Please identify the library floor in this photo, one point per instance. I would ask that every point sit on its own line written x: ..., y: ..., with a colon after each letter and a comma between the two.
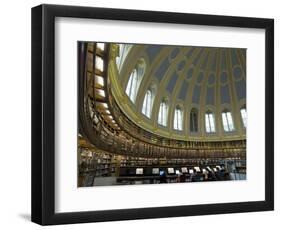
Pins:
x: 135, y: 176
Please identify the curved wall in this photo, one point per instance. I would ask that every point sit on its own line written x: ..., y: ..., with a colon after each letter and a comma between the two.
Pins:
x: 205, y: 79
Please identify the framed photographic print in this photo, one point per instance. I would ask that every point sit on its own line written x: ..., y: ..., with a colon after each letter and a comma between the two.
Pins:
x: 142, y: 114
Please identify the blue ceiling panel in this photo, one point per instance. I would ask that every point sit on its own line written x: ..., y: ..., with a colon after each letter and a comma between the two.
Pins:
x: 237, y: 72
x: 223, y: 60
x: 189, y: 74
x: 210, y: 96
x: 172, y: 82
x: 199, y: 55
x: 241, y: 89
x: 190, y: 52
x: 211, y: 79
x: 196, y: 94
x: 225, y: 98
x: 200, y: 77
x: 175, y: 52
x: 214, y: 61
x: 204, y: 64
x: 181, y: 65
x: 183, y: 90
x: 152, y: 51
x: 223, y: 77
x: 162, y: 69
x: 234, y: 57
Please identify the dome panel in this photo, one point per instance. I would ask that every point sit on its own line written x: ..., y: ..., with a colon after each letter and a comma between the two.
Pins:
x: 199, y: 56
x: 234, y: 57
x: 162, y: 69
x: 196, y: 94
x: 183, y: 90
x: 172, y: 82
x: 211, y: 79
x: 153, y: 51
x: 213, y: 60
x: 200, y: 77
x: 243, y: 52
x: 241, y: 89
x: 223, y: 77
x: 223, y: 60
x: 210, y: 96
x: 189, y: 74
x: 204, y: 64
x: 225, y: 98
x: 190, y: 52
x: 181, y: 65
x: 174, y: 53
x: 237, y: 72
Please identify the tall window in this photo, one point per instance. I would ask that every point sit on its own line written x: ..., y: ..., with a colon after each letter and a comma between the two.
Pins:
x: 147, y: 104
x: 244, y: 117
x: 135, y: 80
x: 227, y: 121
x: 123, y: 52
x: 210, y: 122
x: 178, y: 119
x: 163, y: 113
x: 193, y: 120
x: 132, y: 85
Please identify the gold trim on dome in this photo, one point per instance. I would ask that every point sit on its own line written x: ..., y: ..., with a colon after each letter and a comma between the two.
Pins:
x: 118, y: 81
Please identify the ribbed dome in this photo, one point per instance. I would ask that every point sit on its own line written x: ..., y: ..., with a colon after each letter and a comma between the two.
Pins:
x: 193, y: 79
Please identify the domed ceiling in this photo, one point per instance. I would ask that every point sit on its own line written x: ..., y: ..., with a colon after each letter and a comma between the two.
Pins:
x: 206, y: 79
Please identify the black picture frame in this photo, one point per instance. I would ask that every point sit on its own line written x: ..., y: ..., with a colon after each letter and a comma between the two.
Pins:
x: 43, y: 114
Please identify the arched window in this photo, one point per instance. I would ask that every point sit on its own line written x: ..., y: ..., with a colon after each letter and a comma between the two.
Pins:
x: 132, y: 85
x: 147, y: 104
x: 178, y: 119
x: 210, y: 122
x: 99, y: 63
x: 193, y: 120
x: 123, y: 52
x: 244, y: 117
x: 227, y: 121
x: 135, y: 80
x: 163, y: 113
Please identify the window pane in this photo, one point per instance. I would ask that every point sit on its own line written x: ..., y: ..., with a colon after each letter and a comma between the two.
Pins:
x: 163, y: 114
x: 230, y: 121
x: 175, y: 120
x: 244, y: 117
x: 224, y: 122
x: 100, y: 46
x: 129, y: 85
x: 146, y: 108
x: 178, y: 119
x: 181, y: 120
x: 123, y: 52
x: 207, y: 123
x: 212, y: 123
x: 99, y: 80
x: 193, y: 121
x: 99, y: 63
x: 132, y: 86
x: 160, y: 115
